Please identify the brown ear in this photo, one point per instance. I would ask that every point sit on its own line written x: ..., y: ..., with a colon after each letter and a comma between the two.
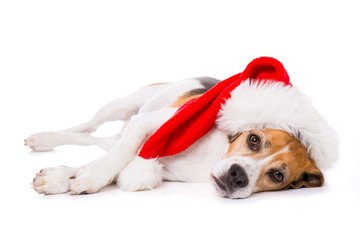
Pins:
x: 311, y: 177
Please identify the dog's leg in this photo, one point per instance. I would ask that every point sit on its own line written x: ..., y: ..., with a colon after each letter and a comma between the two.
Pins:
x: 46, y: 141
x: 93, y: 176
x: 90, y: 178
x: 140, y: 174
x: 120, y: 109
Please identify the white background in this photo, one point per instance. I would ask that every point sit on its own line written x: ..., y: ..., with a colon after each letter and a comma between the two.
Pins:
x: 62, y: 60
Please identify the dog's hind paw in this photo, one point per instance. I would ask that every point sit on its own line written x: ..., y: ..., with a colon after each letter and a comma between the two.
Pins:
x: 41, y: 142
x: 53, y: 180
x: 141, y: 174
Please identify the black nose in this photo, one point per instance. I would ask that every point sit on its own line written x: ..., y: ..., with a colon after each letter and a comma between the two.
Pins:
x: 236, y: 177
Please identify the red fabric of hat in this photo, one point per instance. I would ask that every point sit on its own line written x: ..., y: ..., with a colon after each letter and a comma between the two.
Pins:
x: 197, y: 117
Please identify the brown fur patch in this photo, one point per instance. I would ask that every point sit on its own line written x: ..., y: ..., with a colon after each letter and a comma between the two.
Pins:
x: 272, y: 141
x: 157, y: 84
x: 110, y: 181
x: 294, y: 163
x: 206, y: 84
x: 183, y: 99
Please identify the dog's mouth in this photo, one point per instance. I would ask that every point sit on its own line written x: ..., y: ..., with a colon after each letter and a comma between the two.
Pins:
x: 218, y: 183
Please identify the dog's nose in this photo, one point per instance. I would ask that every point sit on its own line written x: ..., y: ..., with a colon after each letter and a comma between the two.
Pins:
x: 237, y: 177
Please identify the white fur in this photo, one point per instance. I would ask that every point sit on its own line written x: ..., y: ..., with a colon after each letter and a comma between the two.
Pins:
x: 53, y: 180
x: 196, y: 162
x: 146, y: 99
x: 168, y: 95
x: 151, y: 111
x: 273, y: 105
x: 141, y: 174
x: 97, y: 174
x: 47, y: 141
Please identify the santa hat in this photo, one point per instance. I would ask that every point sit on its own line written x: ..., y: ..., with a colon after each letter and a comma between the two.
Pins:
x: 260, y: 97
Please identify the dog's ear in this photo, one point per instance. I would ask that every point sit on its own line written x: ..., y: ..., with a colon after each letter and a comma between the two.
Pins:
x: 311, y: 177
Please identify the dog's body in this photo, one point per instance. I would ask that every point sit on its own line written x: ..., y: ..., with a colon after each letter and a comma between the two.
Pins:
x: 252, y: 161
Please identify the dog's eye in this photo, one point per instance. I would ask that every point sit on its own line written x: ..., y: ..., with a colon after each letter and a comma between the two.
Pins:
x: 277, y: 176
x: 254, y: 142
x: 254, y: 139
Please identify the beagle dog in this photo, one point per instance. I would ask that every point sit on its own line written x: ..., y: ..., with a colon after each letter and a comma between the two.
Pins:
x: 238, y: 164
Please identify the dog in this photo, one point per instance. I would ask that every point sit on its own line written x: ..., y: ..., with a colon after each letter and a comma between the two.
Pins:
x: 237, y: 162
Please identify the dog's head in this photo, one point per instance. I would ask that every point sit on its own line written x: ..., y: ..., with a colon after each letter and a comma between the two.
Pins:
x: 264, y: 160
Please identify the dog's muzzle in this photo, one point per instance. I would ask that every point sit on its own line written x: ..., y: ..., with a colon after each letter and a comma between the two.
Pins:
x: 234, y: 179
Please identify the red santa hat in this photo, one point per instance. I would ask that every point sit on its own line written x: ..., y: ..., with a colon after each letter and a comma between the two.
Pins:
x: 260, y: 97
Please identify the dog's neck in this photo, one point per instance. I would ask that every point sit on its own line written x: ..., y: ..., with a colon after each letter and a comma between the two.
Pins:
x: 195, y: 163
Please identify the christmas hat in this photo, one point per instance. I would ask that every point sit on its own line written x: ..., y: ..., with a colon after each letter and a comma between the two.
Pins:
x: 260, y: 97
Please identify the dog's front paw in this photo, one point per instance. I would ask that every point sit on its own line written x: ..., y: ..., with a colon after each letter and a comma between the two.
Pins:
x: 140, y: 174
x: 41, y: 142
x: 90, y: 178
x: 53, y: 180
